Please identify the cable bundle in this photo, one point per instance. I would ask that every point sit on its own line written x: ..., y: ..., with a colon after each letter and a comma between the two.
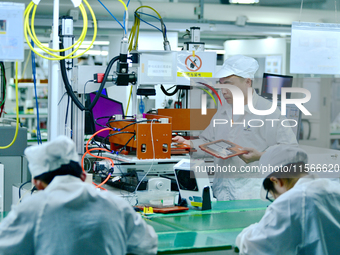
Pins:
x: 133, y: 37
x: 29, y: 29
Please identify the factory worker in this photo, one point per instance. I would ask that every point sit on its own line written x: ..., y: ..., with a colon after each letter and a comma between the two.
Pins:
x: 304, y: 217
x: 70, y: 216
x: 239, y: 71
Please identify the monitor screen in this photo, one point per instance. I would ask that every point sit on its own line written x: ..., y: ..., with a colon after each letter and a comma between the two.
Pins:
x: 271, y: 81
x: 104, y: 107
x: 186, y: 180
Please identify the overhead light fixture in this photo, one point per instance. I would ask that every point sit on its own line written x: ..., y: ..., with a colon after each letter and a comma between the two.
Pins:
x: 244, y: 1
x: 96, y: 42
x: 94, y: 52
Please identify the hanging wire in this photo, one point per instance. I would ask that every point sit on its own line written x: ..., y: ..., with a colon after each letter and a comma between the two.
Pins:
x: 36, y: 94
x: 112, y: 15
x: 301, y: 10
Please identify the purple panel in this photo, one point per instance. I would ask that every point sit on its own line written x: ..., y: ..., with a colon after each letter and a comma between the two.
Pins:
x: 105, y: 107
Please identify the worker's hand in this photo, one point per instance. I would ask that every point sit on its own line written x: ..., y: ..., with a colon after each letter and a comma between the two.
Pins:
x: 251, y: 156
x: 180, y: 139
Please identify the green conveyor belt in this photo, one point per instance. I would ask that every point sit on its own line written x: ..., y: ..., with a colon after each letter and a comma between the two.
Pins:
x: 215, y: 229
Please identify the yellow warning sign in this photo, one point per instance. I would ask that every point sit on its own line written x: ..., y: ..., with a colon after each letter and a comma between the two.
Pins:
x: 194, y: 74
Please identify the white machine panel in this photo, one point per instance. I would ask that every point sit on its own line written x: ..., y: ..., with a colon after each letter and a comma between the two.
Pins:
x: 83, y: 75
x: 11, y: 31
x: 195, y: 65
x: 157, y: 67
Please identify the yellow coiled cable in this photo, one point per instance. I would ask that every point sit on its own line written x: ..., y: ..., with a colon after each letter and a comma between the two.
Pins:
x: 34, y: 38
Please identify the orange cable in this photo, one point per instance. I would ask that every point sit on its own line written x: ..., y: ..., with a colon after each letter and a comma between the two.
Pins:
x: 107, y: 178
x: 87, y: 146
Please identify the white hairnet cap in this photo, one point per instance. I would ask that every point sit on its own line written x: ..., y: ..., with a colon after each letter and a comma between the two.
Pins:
x: 280, y: 155
x: 239, y: 65
x: 51, y: 155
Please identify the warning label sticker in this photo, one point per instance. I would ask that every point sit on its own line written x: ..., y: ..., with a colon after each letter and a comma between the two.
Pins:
x: 193, y: 63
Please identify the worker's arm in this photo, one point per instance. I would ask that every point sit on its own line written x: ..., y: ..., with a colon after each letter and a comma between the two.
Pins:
x: 141, y: 237
x: 180, y: 139
x: 206, y: 136
x: 251, y: 156
x: 280, y: 223
x: 17, y: 231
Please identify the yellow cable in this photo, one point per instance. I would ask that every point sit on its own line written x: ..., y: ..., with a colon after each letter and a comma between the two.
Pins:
x: 36, y: 41
x: 134, y: 34
x: 17, y: 108
x: 80, y: 40
x: 145, y: 6
x: 57, y: 57
x: 137, y: 36
x: 125, y: 7
x: 127, y: 107
x: 82, y: 35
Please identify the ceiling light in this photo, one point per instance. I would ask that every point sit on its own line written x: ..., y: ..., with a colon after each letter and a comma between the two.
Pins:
x: 243, y: 1
x: 94, y: 52
x: 97, y: 42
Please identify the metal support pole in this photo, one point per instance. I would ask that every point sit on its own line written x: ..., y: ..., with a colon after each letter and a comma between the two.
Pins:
x: 54, y: 79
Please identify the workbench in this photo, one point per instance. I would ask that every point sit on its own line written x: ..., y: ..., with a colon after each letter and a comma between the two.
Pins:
x: 211, y: 232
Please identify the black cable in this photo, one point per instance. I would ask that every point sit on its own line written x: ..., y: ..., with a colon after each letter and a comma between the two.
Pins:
x: 103, y: 117
x: 170, y: 87
x: 121, y: 149
x: 107, y: 71
x: 134, y: 123
x: 71, y: 121
x: 179, y: 94
x: 3, y: 85
x: 167, y: 93
x: 68, y: 102
x: 62, y: 98
x: 69, y: 89
x: 118, y: 133
x: 21, y: 187
x: 67, y: 84
x: 34, y: 189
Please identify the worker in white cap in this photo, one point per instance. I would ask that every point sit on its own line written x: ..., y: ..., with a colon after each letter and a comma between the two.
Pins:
x: 304, y: 217
x: 70, y: 216
x: 239, y: 71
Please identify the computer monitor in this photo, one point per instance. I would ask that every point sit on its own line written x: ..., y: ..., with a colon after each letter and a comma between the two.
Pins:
x: 104, y: 107
x: 271, y: 81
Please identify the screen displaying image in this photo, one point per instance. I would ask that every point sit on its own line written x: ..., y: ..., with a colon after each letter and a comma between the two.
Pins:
x: 271, y: 81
